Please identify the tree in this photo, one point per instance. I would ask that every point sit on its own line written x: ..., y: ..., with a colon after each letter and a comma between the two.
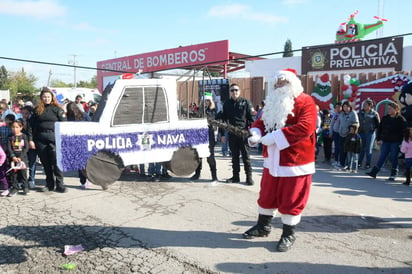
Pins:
x: 287, y: 50
x: 3, y: 77
x: 21, y: 84
x: 57, y: 83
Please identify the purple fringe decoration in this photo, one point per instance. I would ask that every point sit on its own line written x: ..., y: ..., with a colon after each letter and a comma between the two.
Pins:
x: 75, y: 149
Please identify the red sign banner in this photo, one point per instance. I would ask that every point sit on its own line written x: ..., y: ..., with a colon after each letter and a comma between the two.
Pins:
x: 207, y: 53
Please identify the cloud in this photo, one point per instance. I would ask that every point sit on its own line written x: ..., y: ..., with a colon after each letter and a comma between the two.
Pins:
x: 38, y: 9
x: 245, y: 12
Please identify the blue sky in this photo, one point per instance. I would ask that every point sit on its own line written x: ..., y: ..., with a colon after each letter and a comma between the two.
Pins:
x: 95, y: 30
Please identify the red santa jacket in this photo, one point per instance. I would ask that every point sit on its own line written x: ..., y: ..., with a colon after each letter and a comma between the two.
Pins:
x: 293, y: 153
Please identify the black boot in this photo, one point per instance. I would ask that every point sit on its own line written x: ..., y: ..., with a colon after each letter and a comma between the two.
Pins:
x: 249, y: 180
x: 394, y: 173
x: 373, y: 172
x: 214, y: 175
x: 234, y: 179
x: 197, y: 173
x: 287, y: 239
x: 408, y: 177
x: 261, y: 229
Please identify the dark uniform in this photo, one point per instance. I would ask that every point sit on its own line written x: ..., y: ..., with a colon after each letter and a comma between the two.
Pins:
x: 211, y: 115
x: 239, y: 113
x: 42, y: 130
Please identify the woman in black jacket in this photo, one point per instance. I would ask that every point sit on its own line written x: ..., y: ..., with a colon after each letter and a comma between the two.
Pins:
x: 42, y: 130
x: 210, y: 113
x: 390, y: 135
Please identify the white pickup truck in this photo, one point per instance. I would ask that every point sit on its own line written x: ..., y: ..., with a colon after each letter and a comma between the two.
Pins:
x: 136, y: 122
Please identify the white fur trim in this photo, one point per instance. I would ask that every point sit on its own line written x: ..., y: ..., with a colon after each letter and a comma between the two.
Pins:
x: 280, y: 139
x: 285, y: 75
x: 293, y: 80
x: 290, y: 219
x: 276, y: 170
x: 267, y: 211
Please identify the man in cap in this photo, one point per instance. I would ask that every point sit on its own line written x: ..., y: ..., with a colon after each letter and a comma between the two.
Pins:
x: 286, y: 129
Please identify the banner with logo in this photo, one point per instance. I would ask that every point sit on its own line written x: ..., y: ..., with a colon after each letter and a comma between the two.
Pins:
x: 377, y: 53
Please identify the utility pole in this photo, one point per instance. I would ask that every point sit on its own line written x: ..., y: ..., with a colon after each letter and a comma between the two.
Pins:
x: 379, y: 32
x: 48, y: 80
x: 74, y: 63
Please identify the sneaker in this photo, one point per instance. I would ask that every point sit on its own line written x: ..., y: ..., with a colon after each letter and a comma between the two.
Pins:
x: 26, y: 191
x: 32, y: 185
x: 155, y: 178
x: 44, y: 189
x: 84, y: 186
x: 12, y: 192
x: 5, y: 193
x: 367, y: 166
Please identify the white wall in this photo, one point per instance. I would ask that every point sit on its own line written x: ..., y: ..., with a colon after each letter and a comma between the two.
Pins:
x: 268, y: 67
x: 407, y: 58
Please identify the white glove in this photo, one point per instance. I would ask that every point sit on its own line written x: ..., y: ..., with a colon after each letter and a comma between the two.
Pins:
x: 253, y: 139
x: 268, y: 139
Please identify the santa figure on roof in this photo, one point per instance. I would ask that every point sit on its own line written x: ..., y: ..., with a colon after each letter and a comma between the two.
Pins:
x: 286, y: 129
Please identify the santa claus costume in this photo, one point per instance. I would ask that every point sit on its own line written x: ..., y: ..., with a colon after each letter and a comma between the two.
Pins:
x: 286, y: 129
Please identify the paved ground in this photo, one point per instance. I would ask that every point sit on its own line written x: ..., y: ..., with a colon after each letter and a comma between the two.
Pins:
x: 352, y: 224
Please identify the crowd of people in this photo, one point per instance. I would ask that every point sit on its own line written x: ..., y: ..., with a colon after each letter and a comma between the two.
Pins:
x: 27, y: 137
x: 352, y: 137
x: 288, y: 128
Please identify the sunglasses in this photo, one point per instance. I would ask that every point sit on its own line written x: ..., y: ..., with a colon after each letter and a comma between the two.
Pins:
x: 234, y: 89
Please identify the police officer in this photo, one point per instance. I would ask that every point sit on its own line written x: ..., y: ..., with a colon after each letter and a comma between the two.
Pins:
x: 42, y: 130
x: 238, y: 112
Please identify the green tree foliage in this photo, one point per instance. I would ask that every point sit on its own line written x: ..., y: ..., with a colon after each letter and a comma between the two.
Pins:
x: 3, y: 77
x: 57, y: 83
x: 21, y: 84
x: 287, y: 49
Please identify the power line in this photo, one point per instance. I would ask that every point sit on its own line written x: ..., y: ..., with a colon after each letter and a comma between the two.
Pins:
x: 185, y: 66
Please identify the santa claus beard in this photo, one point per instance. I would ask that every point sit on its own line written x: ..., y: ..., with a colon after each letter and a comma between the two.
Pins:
x: 278, y: 105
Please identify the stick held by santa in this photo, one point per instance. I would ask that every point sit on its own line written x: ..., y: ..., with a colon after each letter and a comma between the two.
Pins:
x: 286, y: 129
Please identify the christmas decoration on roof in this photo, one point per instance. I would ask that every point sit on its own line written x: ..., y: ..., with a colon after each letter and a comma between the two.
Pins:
x: 353, y: 31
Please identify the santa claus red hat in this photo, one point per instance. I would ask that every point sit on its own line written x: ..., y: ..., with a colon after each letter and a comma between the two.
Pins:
x: 290, y: 75
x: 286, y: 74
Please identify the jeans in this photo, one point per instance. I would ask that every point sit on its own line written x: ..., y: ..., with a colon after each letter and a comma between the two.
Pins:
x: 336, y: 137
x: 391, y: 148
x: 155, y: 169
x: 408, y: 163
x: 352, y: 161
x: 32, y: 160
x: 342, y: 153
x: 225, y: 144
x: 367, y: 146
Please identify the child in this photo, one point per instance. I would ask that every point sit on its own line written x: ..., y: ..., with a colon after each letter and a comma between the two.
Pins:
x: 406, y: 147
x: 17, y: 149
x: 5, y: 130
x: 326, y: 135
x: 3, y: 178
x: 352, y: 146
